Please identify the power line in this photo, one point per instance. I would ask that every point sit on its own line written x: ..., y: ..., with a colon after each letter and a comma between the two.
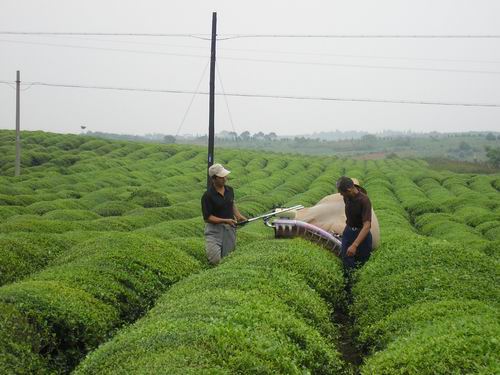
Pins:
x: 359, y: 56
x: 12, y: 86
x: 226, y: 101
x: 236, y: 36
x: 362, y: 66
x: 197, y: 36
x: 257, y: 60
x: 192, y: 99
x: 103, y: 48
x: 359, y: 36
x: 289, y: 52
x: 244, y: 95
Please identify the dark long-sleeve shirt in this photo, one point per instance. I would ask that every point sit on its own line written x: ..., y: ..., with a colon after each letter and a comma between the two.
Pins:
x: 358, y: 210
x: 213, y: 203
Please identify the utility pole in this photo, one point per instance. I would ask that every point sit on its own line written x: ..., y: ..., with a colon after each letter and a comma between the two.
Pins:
x: 211, y: 119
x: 18, y: 125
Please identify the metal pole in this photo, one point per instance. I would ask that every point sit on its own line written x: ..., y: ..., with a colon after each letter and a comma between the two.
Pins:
x: 211, y: 119
x: 18, y: 126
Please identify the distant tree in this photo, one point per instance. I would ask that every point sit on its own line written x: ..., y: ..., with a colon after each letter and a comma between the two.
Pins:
x: 490, y: 137
x: 245, y: 135
x: 233, y: 135
x: 272, y: 136
x: 258, y: 136
x: 493, y: 155
x: 369, y: 138
x: 169, y: 139
x: 464, y: 146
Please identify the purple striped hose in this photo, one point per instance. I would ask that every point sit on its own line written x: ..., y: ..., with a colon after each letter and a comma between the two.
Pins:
x: 285, y: 228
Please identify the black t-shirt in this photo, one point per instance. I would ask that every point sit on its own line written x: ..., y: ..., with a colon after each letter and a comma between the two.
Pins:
x: 213, y: 203
x: 358, y: 210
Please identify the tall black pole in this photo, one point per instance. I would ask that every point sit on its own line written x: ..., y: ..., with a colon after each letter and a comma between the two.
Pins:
x: 211, y: 119
x: 17, y: 169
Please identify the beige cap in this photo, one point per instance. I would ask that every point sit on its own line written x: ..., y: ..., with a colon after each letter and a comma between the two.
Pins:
x: 218, y: 170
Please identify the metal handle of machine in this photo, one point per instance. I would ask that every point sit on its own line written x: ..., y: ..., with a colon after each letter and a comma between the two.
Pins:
x: 270, y: 214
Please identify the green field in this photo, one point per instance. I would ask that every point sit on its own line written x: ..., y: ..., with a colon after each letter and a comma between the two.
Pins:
x: 103, y: 271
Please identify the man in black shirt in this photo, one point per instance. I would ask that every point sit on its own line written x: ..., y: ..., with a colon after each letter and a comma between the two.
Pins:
x: 220, y: 214
x: 356, y: 238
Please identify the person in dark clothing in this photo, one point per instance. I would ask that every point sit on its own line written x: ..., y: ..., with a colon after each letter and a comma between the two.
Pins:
x: 220, y: 214
x: 356, y: 238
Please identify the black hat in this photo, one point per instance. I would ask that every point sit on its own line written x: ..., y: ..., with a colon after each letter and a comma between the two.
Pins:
x: 344, y: 183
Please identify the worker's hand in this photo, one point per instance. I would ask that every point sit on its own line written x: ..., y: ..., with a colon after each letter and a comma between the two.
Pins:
x: 351, y: 250
x: 231, y: 222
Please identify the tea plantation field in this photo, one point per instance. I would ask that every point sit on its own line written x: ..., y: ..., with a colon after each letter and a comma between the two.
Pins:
x: 103, y: 271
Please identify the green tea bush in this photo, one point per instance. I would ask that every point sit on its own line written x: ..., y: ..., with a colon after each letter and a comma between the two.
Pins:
x: 388, y: 220
x: 100, y: 196
x: 253, y: 208
x: 8, y: 211
x: 177, y: 158
x: 417, y: 208
x: 473, y: 216
x: 71, y: 215
x: 114, y: 208
x: 468, y: 199
x: 93, y: 164
x: 106, y: 149
x: 457, y: 337
x: 70, y: 143
x: 38, y: 158
x: 487, y: 225
x: 46, y: 181
x: 42, y: 207
x: 25, y: 253
x: 193, y: 246
x: 412, y: 197
x: 235, y: 318
x: 126, y: 149
x: 420, y: 315
x: 422, y: 269
x: 257, y: 163
x: 182, y: 197
x: 175, y: 229
x: 123, y: 270
x: 427, y: 223
x: 178, y: 211
x: 457, y: 184
x: 8, y: 187
x: 19, y: 343
x: 93, y: 144
x: 493, y: 234
x: 178, y: 183
x: 16, y: 200
x: 435, y: 191
x: 106, y: 282
x: 105, y: 224
x: 447, y: 226
x: 66, y: 160
x: 149, y: 198
x: 69, y: 320
x: 491, y: 248
x: 483, y: 184
x: 28, y: 223
x: 261, y: 186
x: 322, y: 272
x: 311, y: 196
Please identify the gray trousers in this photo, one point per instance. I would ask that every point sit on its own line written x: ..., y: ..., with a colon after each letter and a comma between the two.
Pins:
x: 220, y: 240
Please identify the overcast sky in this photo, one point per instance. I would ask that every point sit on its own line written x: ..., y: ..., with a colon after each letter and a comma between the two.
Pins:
x: 429, y: 70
